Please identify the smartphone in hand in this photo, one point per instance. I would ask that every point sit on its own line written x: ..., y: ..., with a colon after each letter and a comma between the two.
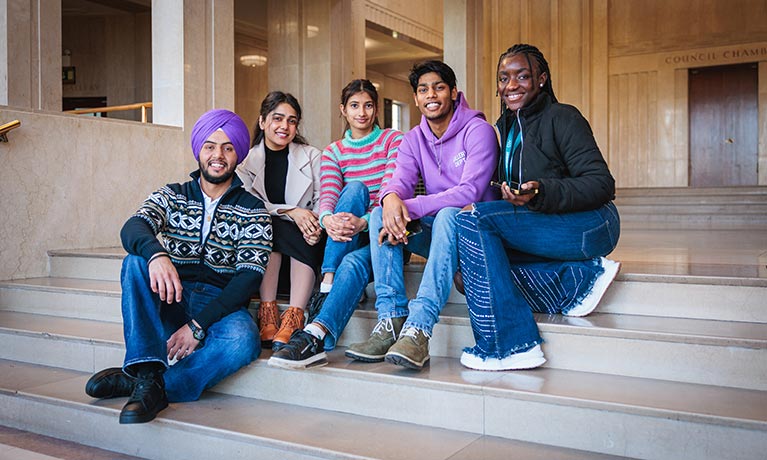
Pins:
x: 514, y: 186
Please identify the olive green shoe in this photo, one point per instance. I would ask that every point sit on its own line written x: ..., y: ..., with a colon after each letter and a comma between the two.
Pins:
x: 375, y: 347
x: 411, y: 349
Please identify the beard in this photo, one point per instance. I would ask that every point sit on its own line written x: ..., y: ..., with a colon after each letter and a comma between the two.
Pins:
x: 227, y: 175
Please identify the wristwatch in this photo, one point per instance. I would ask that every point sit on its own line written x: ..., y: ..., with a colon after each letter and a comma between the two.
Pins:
x: 197, y: 332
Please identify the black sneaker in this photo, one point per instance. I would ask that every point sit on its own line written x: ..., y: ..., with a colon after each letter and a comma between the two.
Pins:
x: 109, y: 383
x: 301, y: 352
x: 146, y: 401
x: 315, y: 305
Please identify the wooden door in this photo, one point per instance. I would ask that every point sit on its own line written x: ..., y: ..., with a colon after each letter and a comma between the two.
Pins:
x: 724, y: 132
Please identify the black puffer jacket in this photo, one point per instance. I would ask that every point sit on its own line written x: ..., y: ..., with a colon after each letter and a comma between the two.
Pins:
x: 559, y: 152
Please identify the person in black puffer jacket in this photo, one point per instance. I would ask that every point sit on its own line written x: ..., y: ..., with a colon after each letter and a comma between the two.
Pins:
x: 542, y: 247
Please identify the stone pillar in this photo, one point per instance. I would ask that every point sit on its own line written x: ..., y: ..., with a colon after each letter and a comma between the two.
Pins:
x: 192, y: 65
x: 312, y: 63
x: 168, y: 62
x: 30, y: 54
x: 461, y: 45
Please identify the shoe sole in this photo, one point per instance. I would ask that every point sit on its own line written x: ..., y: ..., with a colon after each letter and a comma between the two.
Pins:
x: 522, y: 365
x: 363, y: 357
x: 317, y: 360
x: 402, y: 360
x: 128, y: 419
x: 598, y: 294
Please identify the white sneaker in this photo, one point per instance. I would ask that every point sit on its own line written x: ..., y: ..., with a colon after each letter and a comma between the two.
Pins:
x: 590, y: 302
x: 526, y: 360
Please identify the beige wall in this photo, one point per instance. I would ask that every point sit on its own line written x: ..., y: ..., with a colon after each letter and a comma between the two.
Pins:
x: 69, y: 181
x: 648, y: 80
x: 624, y: 64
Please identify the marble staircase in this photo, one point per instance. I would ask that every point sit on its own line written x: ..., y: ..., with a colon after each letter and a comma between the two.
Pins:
x: 673, y: 365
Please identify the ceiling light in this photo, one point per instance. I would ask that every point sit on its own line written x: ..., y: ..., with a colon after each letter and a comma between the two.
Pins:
x: 253, y: 60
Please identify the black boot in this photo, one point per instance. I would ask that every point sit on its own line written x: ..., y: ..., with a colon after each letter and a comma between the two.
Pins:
x: 109, y: 383
x: 148, y: 397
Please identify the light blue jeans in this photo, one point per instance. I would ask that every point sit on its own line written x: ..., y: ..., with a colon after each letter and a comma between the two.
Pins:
x: 355, y: 199
x: 437, y: 242
x: 230, y: 343
x: 350, y: 261
x: 352, y: 275
x: 515, y: 261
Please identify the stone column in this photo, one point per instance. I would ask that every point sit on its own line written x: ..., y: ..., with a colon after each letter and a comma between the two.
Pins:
x: 30, y: 54
x: 312, y: 63
x: 462, y: 47
x: 192, y: 65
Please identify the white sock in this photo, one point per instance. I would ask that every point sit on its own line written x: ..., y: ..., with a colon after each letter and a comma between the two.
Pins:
x: 325, y: 287
x: 315, y: 330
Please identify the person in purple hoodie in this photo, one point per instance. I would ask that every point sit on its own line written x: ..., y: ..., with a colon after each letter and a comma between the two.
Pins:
x: 454, y: 150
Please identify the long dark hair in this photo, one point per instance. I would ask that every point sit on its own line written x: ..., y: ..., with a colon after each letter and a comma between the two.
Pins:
x: 542, y: 65
x: 268, y: 105
x: 360, y: 85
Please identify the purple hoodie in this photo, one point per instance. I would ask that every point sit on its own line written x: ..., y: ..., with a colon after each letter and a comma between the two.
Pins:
x: 456, y: 168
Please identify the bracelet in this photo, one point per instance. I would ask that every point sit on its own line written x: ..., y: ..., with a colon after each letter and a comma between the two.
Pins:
x: 157, y: 255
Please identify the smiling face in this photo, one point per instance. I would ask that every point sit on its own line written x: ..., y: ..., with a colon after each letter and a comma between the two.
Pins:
x: 360, y: 113
x: 434, y: 97
x: 279, y: 126
x: 217, y: 158
x: 518, y: 84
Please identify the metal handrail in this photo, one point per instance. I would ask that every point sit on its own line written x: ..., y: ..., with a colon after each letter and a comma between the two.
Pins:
x: 116, y: 108
x: 6, y: 128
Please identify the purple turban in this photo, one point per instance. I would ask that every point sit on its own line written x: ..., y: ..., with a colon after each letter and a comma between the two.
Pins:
x: 230, y: 123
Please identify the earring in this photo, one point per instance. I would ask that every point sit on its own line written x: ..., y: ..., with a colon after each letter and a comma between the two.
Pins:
x: 541, y: 85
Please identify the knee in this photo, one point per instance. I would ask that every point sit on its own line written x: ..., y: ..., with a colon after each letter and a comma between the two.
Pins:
x: 445, y: 220
x: 357, y: 190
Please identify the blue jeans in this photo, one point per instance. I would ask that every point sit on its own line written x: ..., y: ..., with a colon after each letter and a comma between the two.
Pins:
x: 355, y: 199
x: 514, y: 260
x: 353, y: 274
x: 230, y: 343
x: 439, y: 234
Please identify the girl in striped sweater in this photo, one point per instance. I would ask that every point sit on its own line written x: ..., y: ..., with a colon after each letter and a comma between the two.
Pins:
x: 353, y: 170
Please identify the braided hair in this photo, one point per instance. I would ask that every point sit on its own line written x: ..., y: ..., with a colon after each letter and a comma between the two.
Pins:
x: 543, y: 66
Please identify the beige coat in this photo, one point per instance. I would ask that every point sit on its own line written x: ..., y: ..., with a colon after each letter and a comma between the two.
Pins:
x: 302, y: 186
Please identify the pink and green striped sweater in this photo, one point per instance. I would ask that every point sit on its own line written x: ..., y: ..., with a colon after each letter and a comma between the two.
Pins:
x: 369, y: 160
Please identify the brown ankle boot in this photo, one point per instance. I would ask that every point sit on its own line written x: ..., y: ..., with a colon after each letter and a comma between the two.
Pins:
x: 291, y: 319
x: 268, y: 319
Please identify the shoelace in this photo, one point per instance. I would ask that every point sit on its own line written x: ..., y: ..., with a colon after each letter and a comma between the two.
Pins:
x: 267, y: 315
x: 142, y: 388
x: 292, y: 318
x: 385, y: 325
x: 413, y: 333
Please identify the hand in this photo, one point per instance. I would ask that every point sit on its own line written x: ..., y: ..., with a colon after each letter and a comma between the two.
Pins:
x: 395, y: 219
x: 313, y: 238
x: 342, y: 226
x: 164, y: 280
x: 182, y: 343
x: 305, y: 219
x: 519, y: 200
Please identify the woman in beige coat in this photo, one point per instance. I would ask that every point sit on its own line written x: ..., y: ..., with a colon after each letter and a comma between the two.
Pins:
x: 284, y: 171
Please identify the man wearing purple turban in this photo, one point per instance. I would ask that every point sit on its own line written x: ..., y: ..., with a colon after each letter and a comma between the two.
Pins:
x: 185, y: 298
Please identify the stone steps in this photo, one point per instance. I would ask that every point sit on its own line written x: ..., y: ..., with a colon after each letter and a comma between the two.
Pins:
x: 693, y: 208
x: 236, y: 427
x: 639, y: 379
